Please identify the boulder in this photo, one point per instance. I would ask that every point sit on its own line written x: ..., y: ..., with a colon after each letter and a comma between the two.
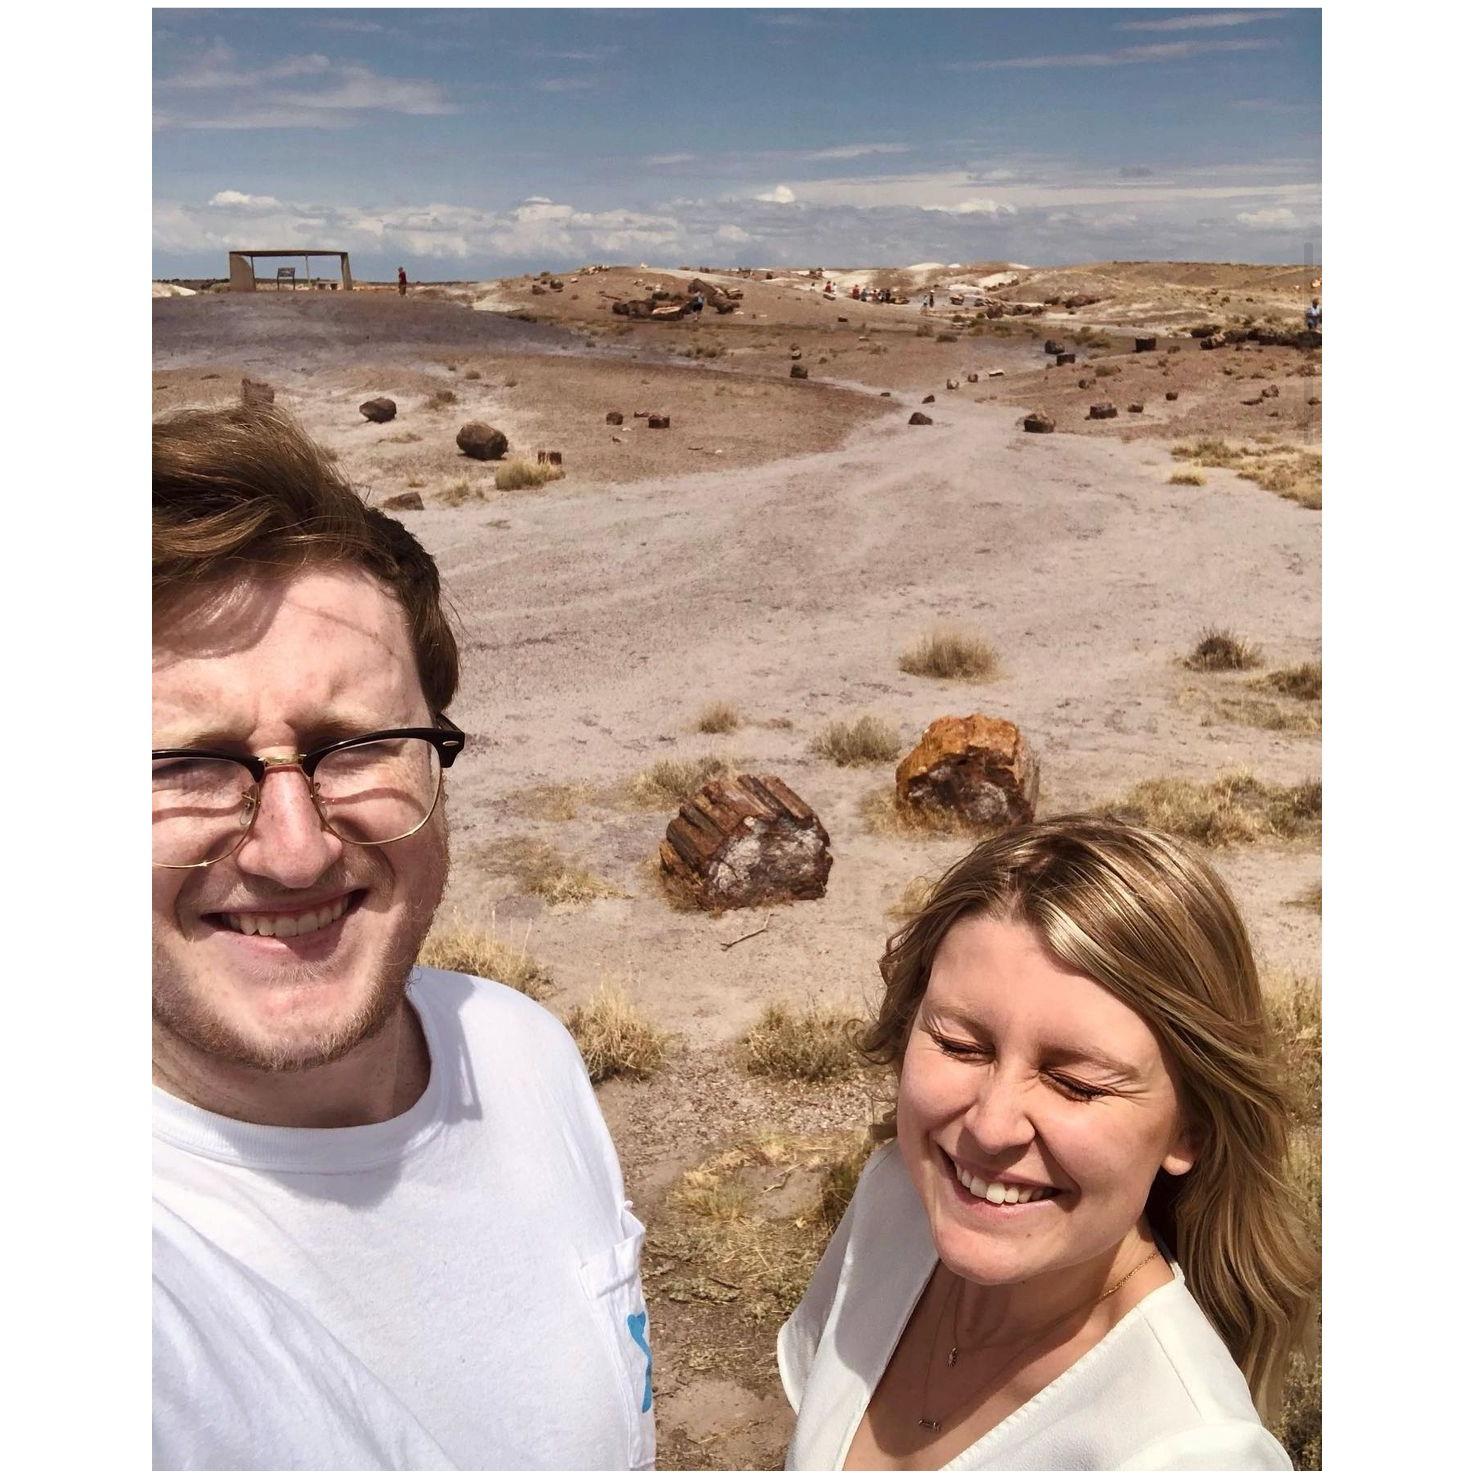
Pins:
x: 1102, y: 411
x: 1060, y: 359
x: 746, y: 840
x: 538, y: 291
x: 613, y: 417
x: 797, y: 371
x: 1145, y: 345
x: 978, y: 767
x: 920, y: 419
x: 929, y: 399
x: 659, y: 421
x: 1135, y: 408
x: 379, y: 411
x: 404, y: 501
x: 1216, y: 340
x: 1270, y: 391
x: 951, y: 383
x: 1038, y: 423
x: 972, y: 378
x: 1171, y: 396
x: 795, y: 354
x: 480, y: 441
x: 1052, y: 346
x: 1205, y: 330
x: 256, y: 394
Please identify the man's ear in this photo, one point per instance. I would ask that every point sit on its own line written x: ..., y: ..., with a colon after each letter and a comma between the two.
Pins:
x: 1182, y: 1154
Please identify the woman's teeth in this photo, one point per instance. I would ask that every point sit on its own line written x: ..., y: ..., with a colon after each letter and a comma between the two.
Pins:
x: 284, y: 926
x: 998, y: 1194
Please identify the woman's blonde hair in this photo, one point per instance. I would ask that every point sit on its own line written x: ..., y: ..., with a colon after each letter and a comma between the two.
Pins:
x: 1147, y: 919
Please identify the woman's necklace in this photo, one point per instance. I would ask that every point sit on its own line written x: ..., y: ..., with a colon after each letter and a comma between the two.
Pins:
x: 933, y: 1424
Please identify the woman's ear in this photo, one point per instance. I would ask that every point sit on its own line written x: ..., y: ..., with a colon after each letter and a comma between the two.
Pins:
x: 1183, y: 1152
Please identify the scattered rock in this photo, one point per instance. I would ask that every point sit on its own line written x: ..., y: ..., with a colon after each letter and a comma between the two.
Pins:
x: 1270, y: 391
x: 379, y: 411
x: 951, y: 383
x: 996, y: 372
x: 1060, y: 359
x: 977, y: 766
x: 929, y: 399
x: 1084, y: 383
x: 1171, y: 395
x: 1102, y: 411
x: 1051, y: 346
x: 1135, y: 408
x: 795, y: 354
x: 746, y: 840
x: 404, y: 501
x: 256, y: 394
x: 481, y: 442
x: 920, y: 419
x: 797, y: 371
x: 972, y: 378
x: 1216, y: 340
x: 613, y: 417
x: 1038, y: 423
x: 884, y: 393
x: 538, y: 291
x: 659, y: 421
x: 1145, y: 345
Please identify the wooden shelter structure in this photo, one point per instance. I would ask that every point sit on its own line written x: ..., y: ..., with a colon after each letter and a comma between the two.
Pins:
x: 243, y: 268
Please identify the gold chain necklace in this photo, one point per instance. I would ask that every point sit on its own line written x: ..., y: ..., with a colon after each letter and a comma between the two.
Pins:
x: 933, y: 1424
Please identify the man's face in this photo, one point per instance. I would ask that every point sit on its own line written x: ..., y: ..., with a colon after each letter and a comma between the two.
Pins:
x: 286, y: 665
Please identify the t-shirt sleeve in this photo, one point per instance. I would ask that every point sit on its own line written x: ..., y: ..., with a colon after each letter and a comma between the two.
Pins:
x: 1227, y: 1445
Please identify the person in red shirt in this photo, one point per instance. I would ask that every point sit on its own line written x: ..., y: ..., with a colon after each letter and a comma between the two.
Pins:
x: 403, y: 282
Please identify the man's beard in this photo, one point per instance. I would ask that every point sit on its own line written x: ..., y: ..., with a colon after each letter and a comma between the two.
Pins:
x: 181, y: 1009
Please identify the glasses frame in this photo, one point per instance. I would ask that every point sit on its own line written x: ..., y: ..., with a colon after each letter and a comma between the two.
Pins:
x: 447, y: 739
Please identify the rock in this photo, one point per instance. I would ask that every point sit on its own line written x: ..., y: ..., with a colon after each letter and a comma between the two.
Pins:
x: 1060, y: 359
x: 613, y: 417
x: 972, y: 378
x: 1215, y: 341
x: 977, y: 766
x: 951, y: 383
x: 746, y: 840
x: 1171, y: 395
x: 538, y: 291
x: 379, y: 411
x: 1145, y: 345
x: 1270, y: 391
x: 659, y: 421
x: 1038, y: 423
x: 1102, y: 411
x: 797, y: 371
x: 1051, y: 346
x: 1204, y: 330
x: 1135, y: 408
x: 795, y: 354
x: 256, y: 394
x: 404, y: 501
x: 1084, y: 383
x: 929, y: 399
x: 884, y: 393
x: 920, y: 419
x: 996, y: 372
x: 481, y: 442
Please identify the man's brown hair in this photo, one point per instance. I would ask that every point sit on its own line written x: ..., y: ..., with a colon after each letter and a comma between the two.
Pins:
x: 243, y: 491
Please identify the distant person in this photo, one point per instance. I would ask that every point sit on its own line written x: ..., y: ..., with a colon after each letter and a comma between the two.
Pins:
x: 930, y: 299
x: 854, y: 291
x: 698, y: 303
x: 403, y: 282
x: 389, y: 1226
x: 1313, y: 315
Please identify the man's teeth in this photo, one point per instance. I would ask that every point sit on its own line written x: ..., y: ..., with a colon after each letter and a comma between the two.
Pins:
x: 998, y: 1194
x: 283, y: 926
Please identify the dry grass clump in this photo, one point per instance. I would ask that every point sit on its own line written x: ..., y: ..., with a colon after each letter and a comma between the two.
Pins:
x: 674, y: 779
x: 442, y: 399
x: 949, y: 653
x: 615, y: 1038
x: 544, y: 871
x: 1188, y: 478
x: 472, y: 373
x: 1271, y: 715
x: 1235, y: 808
x: 463, y: 948
x: 808, y: 1044
x: 1300, y: 681
x: 883, y: 815
x: 1221, y: 649
x: 407, y: 437
x: 557, y: 802
x: 718, y: 717
x: 854, y: 743
x: 1312, y: 899
x: 1287, y: 470
x: 1297, y: 1426
x: 457, y: 493
x: 519, y: 475
x: 1292, y: 1004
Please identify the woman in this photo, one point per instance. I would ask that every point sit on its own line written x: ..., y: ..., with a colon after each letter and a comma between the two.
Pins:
x: 1079, y: 1251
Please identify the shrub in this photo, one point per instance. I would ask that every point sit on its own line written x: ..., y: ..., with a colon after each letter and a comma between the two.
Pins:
x: 950, y: 654
x: 853, y: 743
x: 718, y: 717
x: 441, y: 399
x: 672, y: 780
x: 457, y: 493
x: 462, y: 948
x: 1221, y: 649
x: 615, y: 1038
x: 1188, y: 478
x: 472, y: 373
x: 808, y: 1044
x: 1300, y: 681
x: 946, y: 337
x: 541, y: 870
x: 517, y: 475
x: 1233, y: 809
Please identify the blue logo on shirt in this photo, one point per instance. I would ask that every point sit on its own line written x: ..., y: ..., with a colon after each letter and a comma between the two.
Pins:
x: 636, y: 1323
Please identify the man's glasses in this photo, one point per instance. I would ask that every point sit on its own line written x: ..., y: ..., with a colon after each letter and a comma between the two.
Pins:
x: 370, y: 789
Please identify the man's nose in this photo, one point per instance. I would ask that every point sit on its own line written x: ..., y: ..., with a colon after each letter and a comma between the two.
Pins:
x: 999, y: 1120
x: 288, y: 842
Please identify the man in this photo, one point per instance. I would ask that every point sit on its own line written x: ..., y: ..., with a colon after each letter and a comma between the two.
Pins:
x: 1313, y: 315
x: 403, y: 282
x: 390, y: 1227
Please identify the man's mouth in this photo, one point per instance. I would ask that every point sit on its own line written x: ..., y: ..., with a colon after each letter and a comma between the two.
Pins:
x: 1000, y: 1192
x: 285, y: 924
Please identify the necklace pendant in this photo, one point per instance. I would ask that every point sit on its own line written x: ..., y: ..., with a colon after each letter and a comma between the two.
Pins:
x: 928, y: 1424
x: 951, y: 1359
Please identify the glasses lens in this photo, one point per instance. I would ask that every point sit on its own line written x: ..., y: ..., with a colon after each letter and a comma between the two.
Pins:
x: 378, y: 791
x: 201, y: 808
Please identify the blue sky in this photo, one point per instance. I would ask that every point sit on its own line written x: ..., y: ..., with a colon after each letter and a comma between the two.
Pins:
x: 478, y: 143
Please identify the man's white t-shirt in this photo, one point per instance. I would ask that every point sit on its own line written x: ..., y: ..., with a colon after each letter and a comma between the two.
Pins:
x: 457, y: 1287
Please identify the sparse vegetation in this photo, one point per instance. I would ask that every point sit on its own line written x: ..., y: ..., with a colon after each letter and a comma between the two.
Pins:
x: 471, y: 374
x: 615, y: 1038
x: 1221, y: 649
x: 457, y: 493
x: 1312, y: 899
x: 808, y: 1044
x: 673, y: 779
x: 1188, y: 478
x: 519, y: 475
x: 1105, y: 370
x: 1300, y: 681
x: 883, y: 815
x: 460, y: 947
x: 405, y: 437
x: 950, y: 654
x: 910, y: 900
x: 946, y: 337
x: 442, y: 399
x: 853, y: 743
x: 925, y: 330
x: 718, y: 717
x: 557, y: 802
x: 1236, y: 808
x: 1287, y: 470
x: 543, y: 871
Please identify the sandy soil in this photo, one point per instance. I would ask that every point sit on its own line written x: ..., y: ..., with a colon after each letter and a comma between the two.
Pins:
x: 777, y: 548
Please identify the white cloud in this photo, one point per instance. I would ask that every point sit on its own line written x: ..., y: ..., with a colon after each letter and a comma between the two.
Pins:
x: 781, y: 195
x: 973, y: 207
x: 853, y: 150
x: 234, y: 198
x: 1123, y: 56
x: 734, y: 234
x: 1202, y: 20
x: 1270, y: 218
x: 657, y: 159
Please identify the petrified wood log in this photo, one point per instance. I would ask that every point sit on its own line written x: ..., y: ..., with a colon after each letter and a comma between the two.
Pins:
x: 746, y: 840
x: 976, y: 766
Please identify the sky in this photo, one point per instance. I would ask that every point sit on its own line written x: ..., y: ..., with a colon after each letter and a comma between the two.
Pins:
x: 468, y: 144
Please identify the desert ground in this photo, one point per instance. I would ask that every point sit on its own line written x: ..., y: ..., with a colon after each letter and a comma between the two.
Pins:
x: 776, y: 550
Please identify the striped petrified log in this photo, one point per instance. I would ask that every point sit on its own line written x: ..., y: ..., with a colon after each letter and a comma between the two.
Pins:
x: 746, y: 840
x: 978, y: 767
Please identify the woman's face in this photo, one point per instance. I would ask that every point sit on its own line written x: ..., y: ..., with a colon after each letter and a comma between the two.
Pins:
x: 1028, y: 1081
